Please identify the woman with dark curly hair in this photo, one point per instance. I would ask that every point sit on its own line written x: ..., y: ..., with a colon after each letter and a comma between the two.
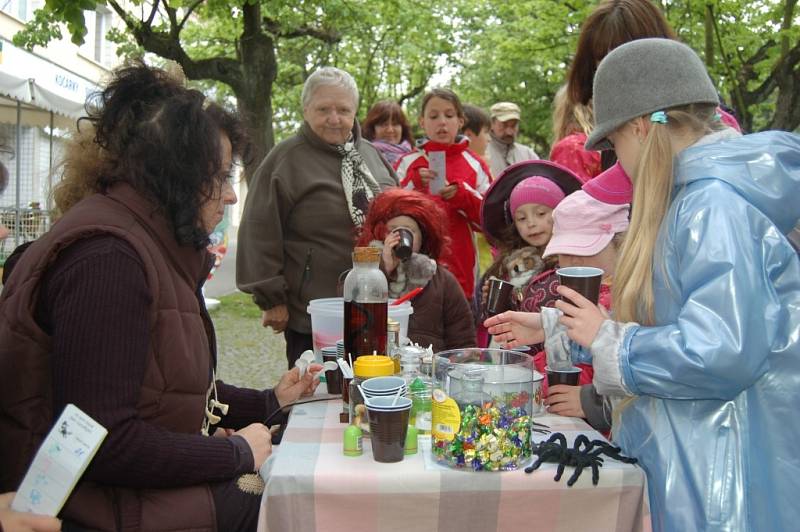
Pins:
x: 105, y: 312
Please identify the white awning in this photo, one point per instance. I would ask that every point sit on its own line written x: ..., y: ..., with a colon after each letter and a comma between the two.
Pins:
x: 36, y: 81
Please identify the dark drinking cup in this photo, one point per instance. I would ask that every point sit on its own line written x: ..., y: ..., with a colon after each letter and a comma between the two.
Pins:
x: 498, y: 299
x: 584, y: 280
x: 388, y: 424
x: 405, y: 247
x: 333, y: 379
x: 569, y: 376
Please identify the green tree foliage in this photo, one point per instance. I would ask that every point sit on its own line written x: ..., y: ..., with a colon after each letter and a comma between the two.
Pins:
x: 752, y: 51
x: 521, y: 51
x: 257, y: 53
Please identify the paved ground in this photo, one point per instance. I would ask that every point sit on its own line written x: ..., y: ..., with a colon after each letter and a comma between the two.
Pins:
x: 249, y: 355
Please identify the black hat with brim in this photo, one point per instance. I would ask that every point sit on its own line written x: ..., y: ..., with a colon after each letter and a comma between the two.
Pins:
x: 495, y: 215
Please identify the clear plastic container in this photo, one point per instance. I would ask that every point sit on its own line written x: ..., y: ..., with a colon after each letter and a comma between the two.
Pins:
x: 481, y: 408
x: 327, y: 322
x: 420, y: 391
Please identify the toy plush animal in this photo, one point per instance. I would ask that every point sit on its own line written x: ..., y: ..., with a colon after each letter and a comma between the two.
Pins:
x: 413, y: 273
x: 522, y: 265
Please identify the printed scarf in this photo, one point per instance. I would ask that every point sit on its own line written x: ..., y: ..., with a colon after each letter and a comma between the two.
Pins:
x: 358, y: 183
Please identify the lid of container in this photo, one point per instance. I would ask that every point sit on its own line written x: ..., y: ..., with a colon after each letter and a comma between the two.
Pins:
x: 373, y: 366
x: 392, y: 325
x: 413, y: 349
x: 366, y: 254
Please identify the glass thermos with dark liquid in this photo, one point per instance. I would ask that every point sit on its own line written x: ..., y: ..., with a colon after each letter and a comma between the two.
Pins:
x: 366, y: 295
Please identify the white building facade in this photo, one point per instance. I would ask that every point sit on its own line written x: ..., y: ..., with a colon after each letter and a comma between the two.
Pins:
x: 42, y: 94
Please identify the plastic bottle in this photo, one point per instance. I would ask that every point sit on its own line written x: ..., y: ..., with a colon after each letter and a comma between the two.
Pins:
x: 353, y: 441
x: 366, y: 295
x: 393, y: 343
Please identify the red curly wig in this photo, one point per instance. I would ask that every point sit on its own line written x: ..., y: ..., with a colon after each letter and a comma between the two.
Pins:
x: 394, y: 202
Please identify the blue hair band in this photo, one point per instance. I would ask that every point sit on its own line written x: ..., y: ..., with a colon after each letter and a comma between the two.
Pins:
x: 659, y: 117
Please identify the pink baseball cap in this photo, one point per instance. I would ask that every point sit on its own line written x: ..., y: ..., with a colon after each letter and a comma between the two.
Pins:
x: 535, y: 189
x: 583, y: 225
x: 612, y: 186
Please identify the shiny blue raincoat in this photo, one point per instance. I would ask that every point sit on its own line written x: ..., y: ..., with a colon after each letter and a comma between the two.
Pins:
x: 716, y: 425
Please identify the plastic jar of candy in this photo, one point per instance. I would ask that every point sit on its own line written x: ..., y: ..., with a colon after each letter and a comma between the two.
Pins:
x: 481, y: 408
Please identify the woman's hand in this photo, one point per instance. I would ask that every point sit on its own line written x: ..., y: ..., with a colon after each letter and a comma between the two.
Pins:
x: 291, y: 387
x: 259, y: 438
x: 564, y: 400
x: 276, y: 317
x: 12, y: 521
x: 513, y: 328
x: 388, y: 260
x: 582, y: 318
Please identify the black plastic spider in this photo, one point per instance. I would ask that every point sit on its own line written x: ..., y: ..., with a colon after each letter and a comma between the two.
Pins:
x: 584, y: 453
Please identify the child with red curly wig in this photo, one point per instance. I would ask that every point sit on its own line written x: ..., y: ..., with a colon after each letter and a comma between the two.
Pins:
x: 442, y: 316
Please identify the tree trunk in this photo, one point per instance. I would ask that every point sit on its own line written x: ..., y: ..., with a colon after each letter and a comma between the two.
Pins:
x: 254, y: 95
x: 709, y: 30
x: 787, y: 105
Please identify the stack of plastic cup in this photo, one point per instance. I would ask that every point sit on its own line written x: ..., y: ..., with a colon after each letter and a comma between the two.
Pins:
x: 388, y: 426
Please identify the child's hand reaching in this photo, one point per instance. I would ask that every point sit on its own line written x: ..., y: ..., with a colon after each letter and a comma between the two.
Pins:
x: 388, y: 260
x: 564, y: 400
x: 513, y: 329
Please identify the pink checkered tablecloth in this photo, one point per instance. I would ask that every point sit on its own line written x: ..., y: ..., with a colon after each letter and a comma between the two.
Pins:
x: 311, y: 485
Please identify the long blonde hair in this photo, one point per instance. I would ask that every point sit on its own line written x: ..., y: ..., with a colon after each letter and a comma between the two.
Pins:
x: 569, y: 118
x: 652, y: 192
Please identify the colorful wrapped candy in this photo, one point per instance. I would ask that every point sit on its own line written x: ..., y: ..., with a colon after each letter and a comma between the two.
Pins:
x: 489, y: 438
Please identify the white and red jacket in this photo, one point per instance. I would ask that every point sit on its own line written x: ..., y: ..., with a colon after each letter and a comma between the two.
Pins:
x: 471, y: 174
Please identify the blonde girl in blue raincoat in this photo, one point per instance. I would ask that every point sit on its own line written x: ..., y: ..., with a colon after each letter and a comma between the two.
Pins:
x: 703, y: 351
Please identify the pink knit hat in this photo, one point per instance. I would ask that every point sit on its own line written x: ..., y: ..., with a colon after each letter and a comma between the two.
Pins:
x: 536, y: 189
x: 583, y: 226
x: 612, y: 186
x: 495, y: 215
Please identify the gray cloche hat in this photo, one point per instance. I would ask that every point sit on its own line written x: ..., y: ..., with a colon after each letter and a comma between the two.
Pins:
x: 644, y: 76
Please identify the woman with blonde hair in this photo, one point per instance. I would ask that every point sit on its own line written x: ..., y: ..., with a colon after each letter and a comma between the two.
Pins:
x: 703, y: 351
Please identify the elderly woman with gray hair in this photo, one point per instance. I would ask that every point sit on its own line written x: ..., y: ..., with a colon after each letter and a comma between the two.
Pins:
x: 305, y: 204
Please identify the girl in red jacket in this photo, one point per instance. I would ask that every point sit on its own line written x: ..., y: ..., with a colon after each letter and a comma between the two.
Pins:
x: 442, y: 317
x: 460, y: 190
